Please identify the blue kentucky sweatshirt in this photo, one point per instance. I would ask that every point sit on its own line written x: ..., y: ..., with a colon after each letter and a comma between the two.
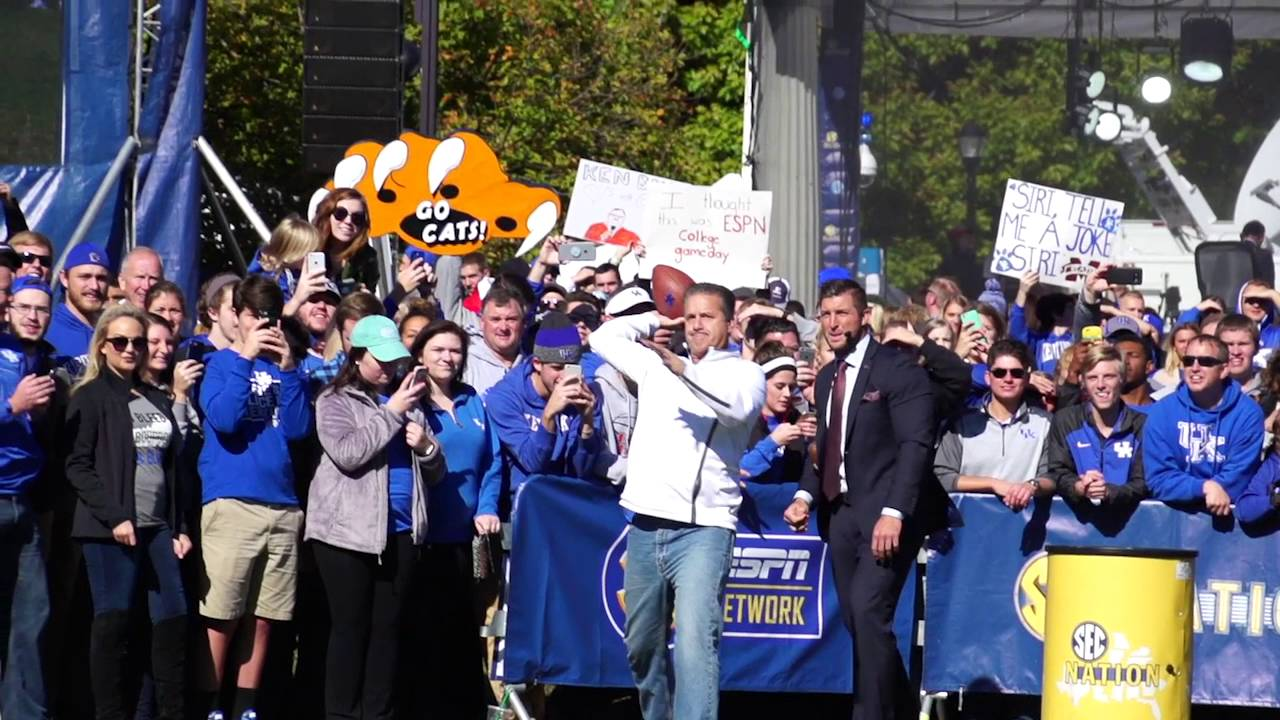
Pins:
x: 20, y: 454
x: 515, y: 410
x: 473, y: 476
x: 252, y: 410
x: 1046, y: 346
x: 69, y: 335
x: 1254, y: 503
x: 1184, y: 444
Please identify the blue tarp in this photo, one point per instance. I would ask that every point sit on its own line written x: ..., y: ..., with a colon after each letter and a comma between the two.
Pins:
x: 169, y: 195
x: 97, y: 61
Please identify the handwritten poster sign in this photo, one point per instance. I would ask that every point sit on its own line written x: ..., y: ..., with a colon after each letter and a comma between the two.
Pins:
x: 607, y: 205
x: 1058, y: 233
x: 718, y: 236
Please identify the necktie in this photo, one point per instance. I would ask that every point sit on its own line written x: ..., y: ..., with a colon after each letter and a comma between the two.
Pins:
x: 832, y: 453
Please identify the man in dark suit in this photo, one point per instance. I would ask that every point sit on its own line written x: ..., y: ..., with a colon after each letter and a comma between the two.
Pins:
x: 875, y: 437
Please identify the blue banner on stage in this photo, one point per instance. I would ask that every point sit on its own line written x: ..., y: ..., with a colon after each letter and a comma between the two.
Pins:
x: 984, y: 609
x: 567, y: 610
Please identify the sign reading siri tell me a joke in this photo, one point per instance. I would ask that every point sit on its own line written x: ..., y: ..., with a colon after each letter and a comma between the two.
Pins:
x: 1058, y: 233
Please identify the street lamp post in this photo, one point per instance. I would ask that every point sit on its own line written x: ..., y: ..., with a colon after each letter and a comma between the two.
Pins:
x: 972, y: 141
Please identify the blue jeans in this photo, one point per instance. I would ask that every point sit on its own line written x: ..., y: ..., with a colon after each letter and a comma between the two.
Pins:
x: 685, y: 567
x: 115, y: 571
x: 24, y: 610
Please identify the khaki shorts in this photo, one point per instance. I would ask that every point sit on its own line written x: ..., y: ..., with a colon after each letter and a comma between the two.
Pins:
x: 250, y: 559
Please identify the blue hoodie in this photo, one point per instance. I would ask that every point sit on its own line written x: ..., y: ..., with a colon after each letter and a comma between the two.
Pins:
x: 1046, y: 347
x: 515, y: 410
x: 473, y: 478
x: 1254, y: 503
x: 284, y: 277
x: 762, y: 463
x: 1268, y: 330
x: 69, y: 335
x: 1184, y: 444
x: 252, y: 410
x: 20, y: 454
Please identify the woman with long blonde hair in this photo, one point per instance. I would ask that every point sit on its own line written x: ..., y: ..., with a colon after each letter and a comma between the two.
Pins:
x: 129, y: 519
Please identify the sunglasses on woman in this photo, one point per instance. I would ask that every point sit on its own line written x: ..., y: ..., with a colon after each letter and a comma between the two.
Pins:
x: 1205, y: 361
x: 357, y: 218
x: 1015, y: 373
x: 30, y: 258
x: 121, y: 343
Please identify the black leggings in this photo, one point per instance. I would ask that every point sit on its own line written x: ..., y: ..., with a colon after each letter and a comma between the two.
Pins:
x: 366, y: 601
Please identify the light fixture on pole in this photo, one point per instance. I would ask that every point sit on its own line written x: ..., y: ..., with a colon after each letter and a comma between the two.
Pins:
x: 1108, y: 127
x: 1156, y: 89
x: 973, y: 143
x: 1156, y: 86
x: 1207, y: 46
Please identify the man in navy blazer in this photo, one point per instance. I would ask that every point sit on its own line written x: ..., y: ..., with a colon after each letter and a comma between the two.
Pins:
x: 875, y: 438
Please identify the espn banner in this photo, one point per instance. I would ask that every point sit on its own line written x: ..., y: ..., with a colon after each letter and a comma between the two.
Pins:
x: 984, y: 609
x: 567, y: 610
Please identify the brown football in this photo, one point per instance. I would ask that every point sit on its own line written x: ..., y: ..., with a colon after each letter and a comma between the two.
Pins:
x: 668, y: 288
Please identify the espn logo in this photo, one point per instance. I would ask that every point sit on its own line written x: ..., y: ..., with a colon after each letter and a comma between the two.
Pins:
x: 759, y: 563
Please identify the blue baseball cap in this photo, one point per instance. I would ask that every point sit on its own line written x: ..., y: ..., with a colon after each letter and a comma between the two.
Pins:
x: 833, y: 273
x: 30, y: 282
x: 86, y: 254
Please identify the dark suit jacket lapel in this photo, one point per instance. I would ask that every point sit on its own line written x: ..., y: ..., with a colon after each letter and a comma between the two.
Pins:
x: 822, y: 398
x: 859, y: 388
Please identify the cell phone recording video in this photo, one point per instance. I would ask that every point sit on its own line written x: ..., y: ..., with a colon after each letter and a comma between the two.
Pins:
x: 1124, y: 276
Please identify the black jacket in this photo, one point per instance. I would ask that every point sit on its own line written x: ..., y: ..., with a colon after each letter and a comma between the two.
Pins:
x: 793, y: 457
x: 52, y: 493
x: 890, y: 432
x: 103, y: 458
x: 1062, y: 466
x: 951, y: 379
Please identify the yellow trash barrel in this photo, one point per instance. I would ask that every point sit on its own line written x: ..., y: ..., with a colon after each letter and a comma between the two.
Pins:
x: 1117, y: 634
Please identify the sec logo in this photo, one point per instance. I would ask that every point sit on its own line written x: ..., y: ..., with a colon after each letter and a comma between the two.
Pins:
x: 1089, y: 641
x: 612, y: 575
x: 1030, y: 592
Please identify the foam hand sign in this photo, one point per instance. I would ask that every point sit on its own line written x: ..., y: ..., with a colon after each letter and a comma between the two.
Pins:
x: 447, y: 196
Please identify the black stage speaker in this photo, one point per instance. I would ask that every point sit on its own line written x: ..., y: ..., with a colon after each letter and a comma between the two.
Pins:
x: 352, y: 77
x: 1223, y: 267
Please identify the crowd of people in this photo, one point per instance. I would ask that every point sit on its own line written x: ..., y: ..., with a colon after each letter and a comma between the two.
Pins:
x: 290, y: 498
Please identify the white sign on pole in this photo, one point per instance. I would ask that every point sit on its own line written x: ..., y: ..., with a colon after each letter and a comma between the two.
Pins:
x: 1058, y: 233
x: 607, y: 204
x: 718, y: 236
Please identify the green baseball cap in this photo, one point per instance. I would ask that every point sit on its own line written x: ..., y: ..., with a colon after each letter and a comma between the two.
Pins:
x: 379, y: 335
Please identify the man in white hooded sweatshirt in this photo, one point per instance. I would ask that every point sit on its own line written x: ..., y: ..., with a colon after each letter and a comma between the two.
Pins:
x: 682, y: 494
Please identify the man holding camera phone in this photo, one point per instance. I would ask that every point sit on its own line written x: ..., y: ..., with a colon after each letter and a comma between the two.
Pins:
x: 544, y: 411
x: 255, y: 404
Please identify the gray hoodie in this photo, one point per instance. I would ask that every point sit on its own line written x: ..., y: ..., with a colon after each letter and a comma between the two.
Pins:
x: 618, y: 408
x: 448, y: 292
x: 348, y: 503
x: 978, y: 444
x: 484, y: 366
